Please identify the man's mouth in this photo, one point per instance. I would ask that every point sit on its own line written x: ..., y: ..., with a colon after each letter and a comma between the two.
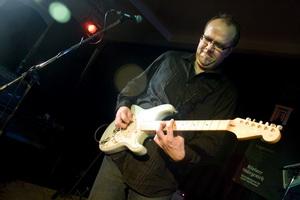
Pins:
x: 206, y: 59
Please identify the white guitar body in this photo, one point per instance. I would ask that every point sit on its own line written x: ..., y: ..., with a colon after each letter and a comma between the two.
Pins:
x: 114, y: 140
x: 145, y: 122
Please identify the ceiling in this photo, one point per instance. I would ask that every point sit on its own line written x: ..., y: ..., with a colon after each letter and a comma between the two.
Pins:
x: 268, y: 26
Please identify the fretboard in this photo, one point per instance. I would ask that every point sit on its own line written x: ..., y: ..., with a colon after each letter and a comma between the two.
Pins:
x: 188, y: 125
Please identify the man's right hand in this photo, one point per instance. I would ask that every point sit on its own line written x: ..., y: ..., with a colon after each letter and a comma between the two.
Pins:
x: 123, y: 117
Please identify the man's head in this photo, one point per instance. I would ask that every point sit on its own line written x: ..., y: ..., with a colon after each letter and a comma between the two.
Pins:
x: 220, y: 35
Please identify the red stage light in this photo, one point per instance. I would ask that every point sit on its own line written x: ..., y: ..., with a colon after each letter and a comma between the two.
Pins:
x: 91, y: 28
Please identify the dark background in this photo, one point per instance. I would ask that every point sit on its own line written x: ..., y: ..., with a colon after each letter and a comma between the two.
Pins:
x: 50, y: 139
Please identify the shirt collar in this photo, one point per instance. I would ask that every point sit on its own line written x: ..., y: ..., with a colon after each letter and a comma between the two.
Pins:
x: 191, y: 57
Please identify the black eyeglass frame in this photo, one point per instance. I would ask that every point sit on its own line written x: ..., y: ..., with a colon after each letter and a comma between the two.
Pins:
x: 218, y: 46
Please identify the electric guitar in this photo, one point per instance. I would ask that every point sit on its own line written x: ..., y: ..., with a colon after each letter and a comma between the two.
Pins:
x: 145, y: 123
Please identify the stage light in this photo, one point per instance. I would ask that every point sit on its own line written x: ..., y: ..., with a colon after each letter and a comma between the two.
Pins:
x: 127, y: 72
x: 91, y: 27
x: 59, y: 12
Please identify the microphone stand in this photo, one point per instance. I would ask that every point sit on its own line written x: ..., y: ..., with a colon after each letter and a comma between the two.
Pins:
x: 32, y: 71
x: 32, y: 50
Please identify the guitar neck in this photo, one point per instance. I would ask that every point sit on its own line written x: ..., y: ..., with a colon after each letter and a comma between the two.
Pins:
x: 188, y: 125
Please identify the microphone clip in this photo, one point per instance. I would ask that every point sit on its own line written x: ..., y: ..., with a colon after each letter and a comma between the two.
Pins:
x: 126, y: 16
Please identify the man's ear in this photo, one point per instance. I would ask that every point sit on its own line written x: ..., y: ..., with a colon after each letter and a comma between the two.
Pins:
x: 228, y: 51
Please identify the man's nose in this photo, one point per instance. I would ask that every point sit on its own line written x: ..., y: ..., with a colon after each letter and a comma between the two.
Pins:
x: 210, y: 46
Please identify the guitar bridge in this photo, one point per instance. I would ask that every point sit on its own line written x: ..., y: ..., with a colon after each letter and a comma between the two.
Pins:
x: 105, y: 140
x: 116, y: 130
x: 110, y: 138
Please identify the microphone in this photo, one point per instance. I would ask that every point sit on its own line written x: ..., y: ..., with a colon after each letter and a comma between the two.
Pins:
x: 136, y: 18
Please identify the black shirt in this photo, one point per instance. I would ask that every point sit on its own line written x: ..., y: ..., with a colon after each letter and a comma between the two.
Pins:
x: 171, y: 79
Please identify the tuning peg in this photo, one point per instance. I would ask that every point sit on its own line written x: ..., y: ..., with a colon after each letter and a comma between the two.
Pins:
x: 279, y: 127
x: 267, y: 123
x: 261, y: 122
x: 248, y: 119
x: 273, y: 125
x: 254, y: 120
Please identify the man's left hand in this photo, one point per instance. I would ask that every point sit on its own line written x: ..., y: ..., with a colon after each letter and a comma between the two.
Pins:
x: 173, y: 145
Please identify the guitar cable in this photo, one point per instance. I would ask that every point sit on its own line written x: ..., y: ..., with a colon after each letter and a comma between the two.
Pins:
x: 58, y: 193
x: 96, y: 132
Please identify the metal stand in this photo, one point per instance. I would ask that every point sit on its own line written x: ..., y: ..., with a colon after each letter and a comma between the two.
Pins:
x: 31, y: 73
x: 295, y: 168
x: 71, y: 191
x: 32, y: 78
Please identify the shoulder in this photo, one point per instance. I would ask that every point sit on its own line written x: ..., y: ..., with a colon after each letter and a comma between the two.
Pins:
x: 177, y: 54
x: 172, y: 54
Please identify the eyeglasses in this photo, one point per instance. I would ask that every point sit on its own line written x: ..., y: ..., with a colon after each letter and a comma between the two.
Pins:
x: 217, y: 46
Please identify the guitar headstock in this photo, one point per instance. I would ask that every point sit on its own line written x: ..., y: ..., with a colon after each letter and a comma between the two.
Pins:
x: 249, y: 129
